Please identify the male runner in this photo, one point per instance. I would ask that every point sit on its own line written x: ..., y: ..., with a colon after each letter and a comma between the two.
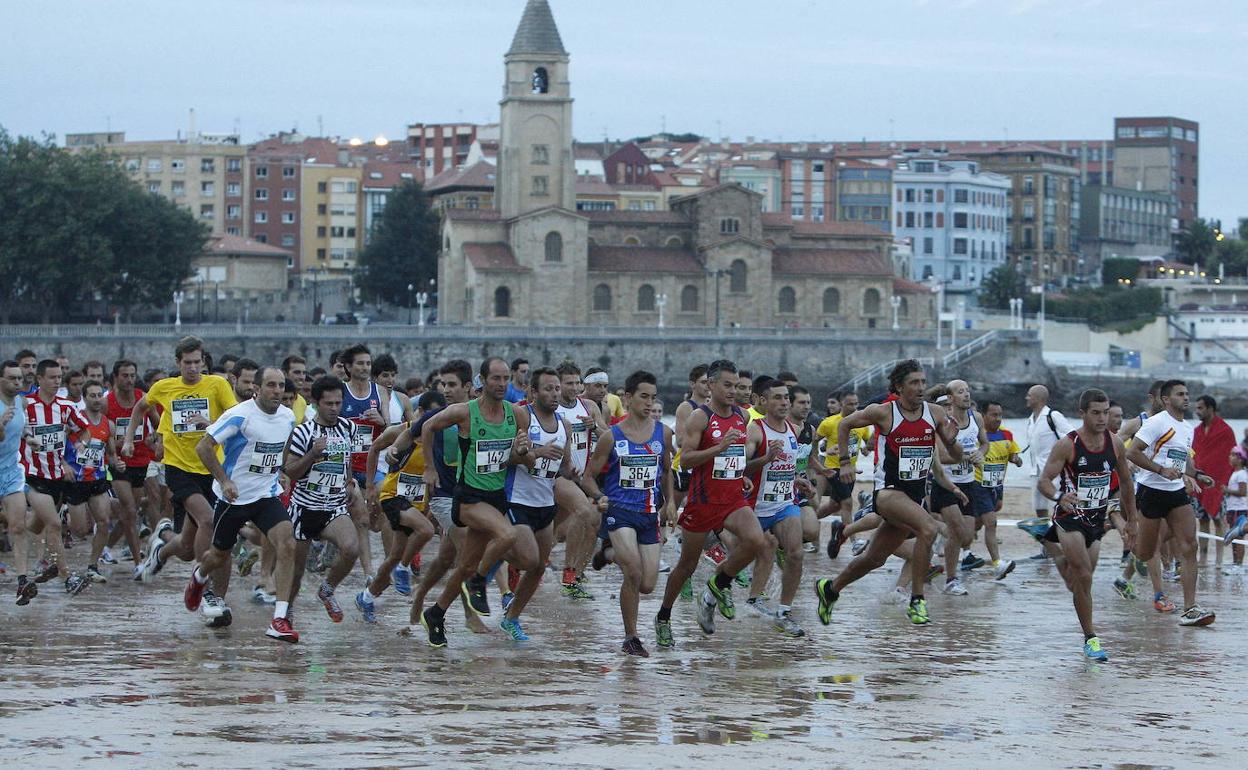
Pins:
x: 839, y: 499
x: 1086, y: 460
x: 713, y: 447
x: 808, y: 494
x: 368, y: 406
x: 576, y: 519
x: 531, y: 495
x: 1212, y: 441
x: 956, y: 510
x: 1152, y: 568
x: 518, y: 386
x: 132, y: 482
x: 492, y: 436
x: 908, y: 429
x: 1162, y: 450
x: 317, y: 460
x: 188, y: 404
x: 252, y: 436
x: 638, y: 481
x: 87, y: 493
x: 699, y: 394
x: 28, y: 362
x: 12, y: 477
x: 988, y: 491
x: 296, y: 370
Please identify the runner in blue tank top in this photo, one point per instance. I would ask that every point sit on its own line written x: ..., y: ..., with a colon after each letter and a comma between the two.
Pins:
x: 12, y: 478
x: 638, y: 483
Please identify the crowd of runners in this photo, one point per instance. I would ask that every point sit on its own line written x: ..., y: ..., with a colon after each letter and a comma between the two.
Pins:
x: 266, y: 472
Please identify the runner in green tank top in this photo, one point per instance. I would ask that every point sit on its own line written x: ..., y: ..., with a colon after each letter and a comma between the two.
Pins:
x: 492, y: 437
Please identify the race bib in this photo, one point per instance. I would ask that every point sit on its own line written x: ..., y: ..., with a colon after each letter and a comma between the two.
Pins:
x: 51, y: 438
x: 852, y: 447
x: 493, y: 454
x: 639, y: 471
x: 913, y: 462
x: 1176, y: 458
x: 266, y: 459
x: 777, y: 486
x: 92, y: 455
x: 965, y: 468
x: 729, y: 464
x: 362, y: 438
x: 580, y: 436
x: 545, y: 467
x: 411, y: 486
x: 327, y: 478
x: 185, y: 412
x: 1092, y: 491
x: 123, y: 423
x: 993, y: 475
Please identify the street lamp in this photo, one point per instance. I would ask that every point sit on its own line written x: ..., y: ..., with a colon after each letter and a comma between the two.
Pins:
x: 421, y: 298
x: 660, y: 302
x: 409, y: 304
x: 1016, y: 312
x: 178, y: 297
x: 895, y: 301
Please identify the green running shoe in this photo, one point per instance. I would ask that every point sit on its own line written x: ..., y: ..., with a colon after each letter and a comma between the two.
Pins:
x: 663, y: 634
x: 827, y: 599
x: 917, y: 612
x: 723, y: 598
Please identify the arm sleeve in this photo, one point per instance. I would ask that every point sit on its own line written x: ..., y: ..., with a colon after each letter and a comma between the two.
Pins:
x: 1149, y: 432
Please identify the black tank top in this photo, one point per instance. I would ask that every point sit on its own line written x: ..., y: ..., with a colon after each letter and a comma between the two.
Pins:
x: 1090, y: 475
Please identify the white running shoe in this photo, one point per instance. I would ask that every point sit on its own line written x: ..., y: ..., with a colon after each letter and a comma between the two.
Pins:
x: 212, y: 606
x: 760, y: 607
x: 954, y: 587
x: 1002, y: 568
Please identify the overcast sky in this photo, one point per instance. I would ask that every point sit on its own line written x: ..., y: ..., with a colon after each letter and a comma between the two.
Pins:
x: 784, y: 69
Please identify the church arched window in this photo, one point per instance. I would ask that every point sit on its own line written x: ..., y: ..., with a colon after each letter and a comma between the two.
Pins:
x: 554, y: 247
x: 541, y: 81
x: 502, y: 302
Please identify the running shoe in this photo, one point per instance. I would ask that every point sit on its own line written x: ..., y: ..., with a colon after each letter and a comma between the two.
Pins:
x: 474, y: 592
x: 26, y: 590
x: 663, y: 634
x: 858, y: 546
x: 1036, y: 527
x: 282, y: 630
x: 145, y: 532
x: 1092, y: 648
x: 917, y: 612
x: 933, y: 571
x: 247, y: 561
x: 827, y: 599
x: 785, y: 624
x: 723, y: 598
x: 210, y: 605
x: 742, y: 579
x: 46, y: 570
x: 970, y: 562
x: 1195, y: 616
x: 508, y: 598
x: 366, y: 606
x: 632, y: 646
x: 95, y: 576
x: 219, y: 621
x: 1124, y: 589
x: 686, y: 590
x: 107, y: 557
x: 193, y: 594
x: 1162, y: 604
x: 432, y: 624
x: 76, y: 584
x: 715, y: 555
x: 1237, y: 531
x: 136, y: 574
x: 126, y: 555
x: 664, y: 567
x: 326, y: 594
x: 809, y: 547
x: 152, y: 565
x: 706, y: 612
x: 836, y: 536
x: 1002, y: 568
x: 402, y: 579
x: 759, y: 606
x: 1043, y: 555
x: 864, y: 499
x: 954, y: 587
x: 576, y: 591
x: 258, y: 594
x: 1170, y: 575
x: 513, y: 629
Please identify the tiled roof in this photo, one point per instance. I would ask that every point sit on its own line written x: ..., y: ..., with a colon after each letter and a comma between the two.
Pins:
x: 593, y: 185
x: 903, y: 286
x: 236, y: 244
x: 779, y: 219
x: 829, y: 262
x: 480, y: 176
x: 492, y: 256
x: 642, y: 259
x: 537, y: 32
x: 647, y: 217
x: 387, y: 176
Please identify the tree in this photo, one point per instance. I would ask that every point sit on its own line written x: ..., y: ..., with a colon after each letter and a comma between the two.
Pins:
x: 1116, y: 268
x: 1232, y: 255
x: 1196, y: 243
x: 403, y: 247
x: 1001, y: 285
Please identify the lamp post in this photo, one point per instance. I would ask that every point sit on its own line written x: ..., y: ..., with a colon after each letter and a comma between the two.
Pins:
x: 895, y: 301
x: 660, y: 302
x: 410, y: 287
x: 421, y: 298
x: 315, y: 300
x: 178, y: 297
x: 1040, y: 290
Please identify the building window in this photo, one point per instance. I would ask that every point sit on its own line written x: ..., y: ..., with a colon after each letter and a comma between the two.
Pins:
x: 322, y: 187
x: 554, y: 247
x: 233, y: 165
x: 288, y: 193
x: 472, y: 202
x: 787, y: 300
x: 177, y: 188
x: 153, y: 165
x: 903, y: 308
x: 632, y: 240
x: 262, y: 238
x: 927, y: 272
x: 729, y: 225
x: 337, y: 232
x: 831, y: 301
x: 288, y: 172
x: 262, y: 217
x: 689, y: 299
x: 928, y: 219
x: 502, y: 302
x: 288, y: 217
x: 959, y: 196
x: 871, y: 302
x: 928, y: 245
x: 645, y: 299
x: 207, y: 166
x: 233, y: 231
x: 1029, y: 185
x: 207, y: 189
x: 959, y: 245
x: 262, y: 172
x: 233, y: 189
x: 957, y: 272
x: 674, y: 242
x: 648, y: 206
x: 321, y: 231
x: 177, y: 165
x: 909, y: 219
x: 233, y: 212
x: 262, y: 193
x: 738, y: 277
x: 541, y: 81
x: 207, y: 211
x: 288, y: 239
x: 928, y: 195
x: 602, y: 298
x: 959, y: 220
x: 540, y: 186
x: 541, y: 155
x: 153, y: 187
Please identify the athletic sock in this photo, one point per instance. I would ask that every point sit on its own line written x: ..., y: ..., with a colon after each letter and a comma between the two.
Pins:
x: 723, y: 579
x: 916, y: 598
x: 372, y: 597
x: 665, y: 613
x: 1087, y: 637
x: 280, y: 609
x: 783, y: 609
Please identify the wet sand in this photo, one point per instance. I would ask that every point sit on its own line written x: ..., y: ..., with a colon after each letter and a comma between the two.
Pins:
x: 123, y: 676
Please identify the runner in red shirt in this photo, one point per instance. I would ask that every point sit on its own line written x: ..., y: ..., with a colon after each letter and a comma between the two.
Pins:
x: 1212, y: 442
x: 713, y: 446
x: 129, y: 485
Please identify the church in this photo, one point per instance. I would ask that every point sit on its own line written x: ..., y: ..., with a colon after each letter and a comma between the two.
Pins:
x: 714, y: 258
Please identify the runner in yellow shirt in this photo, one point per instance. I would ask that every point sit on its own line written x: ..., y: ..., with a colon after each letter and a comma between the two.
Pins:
x: 839, y: 495
x: 988, y: 491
